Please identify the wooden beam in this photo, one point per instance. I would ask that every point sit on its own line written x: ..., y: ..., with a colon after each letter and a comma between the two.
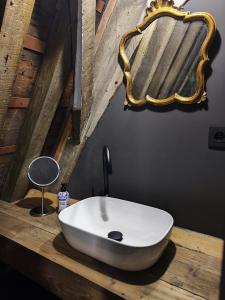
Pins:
x: 68, y: 127
x: 47, y: 94
x: 14, y: 27
x: 84, y: 66
x: 78, y: 48
x: 33, y: 43
x: 7, y: 149
x: 107, y: 82
x: 106, y: 58
x: 190, y: 267
x: 50, y: 275
x: 18, y: 102
x: 104, y: 21
x: 69, y: 155
x: 80, y: 108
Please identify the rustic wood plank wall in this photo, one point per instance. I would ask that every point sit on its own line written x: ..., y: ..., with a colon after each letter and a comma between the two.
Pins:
x: 120, y: 17
x: 66, y: 159
x: 47, y: 92
x: 11, y: 40
x: 52, y: 78
x: 35, y: 40
x: 28, y: 67
x: 24, y: 78
x: 61, y: 127
x: 189, y: 269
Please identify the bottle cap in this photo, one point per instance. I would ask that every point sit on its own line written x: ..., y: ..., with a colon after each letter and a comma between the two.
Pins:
x: 63, y: 187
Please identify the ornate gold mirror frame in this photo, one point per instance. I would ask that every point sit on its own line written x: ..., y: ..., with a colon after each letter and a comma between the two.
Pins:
x: 157, y: 9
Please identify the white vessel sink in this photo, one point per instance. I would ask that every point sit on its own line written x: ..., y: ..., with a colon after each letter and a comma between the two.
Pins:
x: 145, y: 231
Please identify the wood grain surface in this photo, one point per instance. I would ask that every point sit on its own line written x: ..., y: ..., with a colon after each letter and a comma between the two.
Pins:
x: 190, y: 268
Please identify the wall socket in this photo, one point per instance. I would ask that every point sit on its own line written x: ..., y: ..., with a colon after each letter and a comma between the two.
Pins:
x: 217, y: 138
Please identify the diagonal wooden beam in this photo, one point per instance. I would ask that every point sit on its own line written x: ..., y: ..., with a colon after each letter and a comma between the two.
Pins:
x: 121, y: 17
x: 125, y: 16
x: 47, y: 93
x: 15, y: 24
x: 85, y: 73
x: 104, y: 21
x: 78, y: 48
x: 69, y: 124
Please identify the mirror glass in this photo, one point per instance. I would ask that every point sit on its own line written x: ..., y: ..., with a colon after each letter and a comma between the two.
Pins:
x: 43, y: 171
x: 166, y: 58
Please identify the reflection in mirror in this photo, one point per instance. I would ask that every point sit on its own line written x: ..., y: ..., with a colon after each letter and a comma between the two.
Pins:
x: 166, y: 59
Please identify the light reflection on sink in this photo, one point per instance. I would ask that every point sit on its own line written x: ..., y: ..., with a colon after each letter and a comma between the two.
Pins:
x: 145, y: 231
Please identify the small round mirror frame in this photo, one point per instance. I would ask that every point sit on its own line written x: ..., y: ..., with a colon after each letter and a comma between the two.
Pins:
x: 42, y: 210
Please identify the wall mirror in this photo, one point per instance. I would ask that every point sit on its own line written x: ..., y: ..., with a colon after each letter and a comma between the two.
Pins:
x: 169, y: 56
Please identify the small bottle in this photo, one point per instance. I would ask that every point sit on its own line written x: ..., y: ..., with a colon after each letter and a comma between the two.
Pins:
x: 63, y: 198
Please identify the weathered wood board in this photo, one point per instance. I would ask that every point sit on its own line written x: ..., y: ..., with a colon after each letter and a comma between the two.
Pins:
x: 15, y: 25
x: 189, y: 269
x: 25, y: 75
x: 10, y: 130
x: 67, y: 158
x: 46, y: 96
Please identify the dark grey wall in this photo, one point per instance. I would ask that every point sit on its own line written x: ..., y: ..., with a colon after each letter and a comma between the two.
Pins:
x: 160, y: 156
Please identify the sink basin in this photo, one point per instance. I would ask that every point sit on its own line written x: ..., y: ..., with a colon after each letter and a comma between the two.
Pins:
x: 144, y: 230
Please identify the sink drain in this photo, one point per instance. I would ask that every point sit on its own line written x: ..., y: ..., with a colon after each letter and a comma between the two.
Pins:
x: 115, y: 235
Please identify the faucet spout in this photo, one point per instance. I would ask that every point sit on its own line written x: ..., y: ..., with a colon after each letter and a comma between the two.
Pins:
x: 107, y: 169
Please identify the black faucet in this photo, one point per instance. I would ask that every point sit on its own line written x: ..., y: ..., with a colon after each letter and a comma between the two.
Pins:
x: 107, y: 169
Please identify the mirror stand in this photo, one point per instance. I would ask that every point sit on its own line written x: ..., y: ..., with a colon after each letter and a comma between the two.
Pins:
x: 42, y: 210
x: 43, y: 172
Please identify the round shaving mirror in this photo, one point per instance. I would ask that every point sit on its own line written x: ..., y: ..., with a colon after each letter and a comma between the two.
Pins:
x: 42, y: 172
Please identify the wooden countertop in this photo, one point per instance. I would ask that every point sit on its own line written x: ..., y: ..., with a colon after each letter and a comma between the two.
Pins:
x: 190, y: 268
